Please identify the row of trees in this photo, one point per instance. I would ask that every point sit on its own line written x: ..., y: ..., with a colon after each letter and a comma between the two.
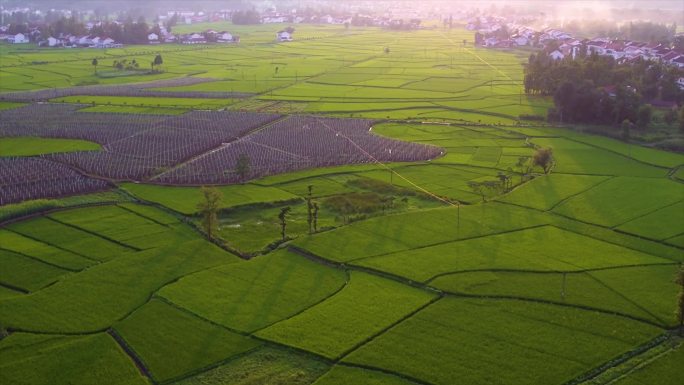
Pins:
x: 127, y: 32
x: 597, y: 90
x: 542, y: 158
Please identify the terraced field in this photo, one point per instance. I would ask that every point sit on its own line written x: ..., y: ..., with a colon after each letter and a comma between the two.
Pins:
x: 560, y: 278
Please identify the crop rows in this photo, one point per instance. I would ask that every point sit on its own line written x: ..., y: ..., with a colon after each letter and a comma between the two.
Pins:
x: 135, y: 146
x: 33, y: 178
x: 168, y: 142
x: 297, y: 143
x: 143, y: 89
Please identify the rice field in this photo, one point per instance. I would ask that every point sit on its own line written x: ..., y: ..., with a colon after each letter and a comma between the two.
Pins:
x: 561, y: 277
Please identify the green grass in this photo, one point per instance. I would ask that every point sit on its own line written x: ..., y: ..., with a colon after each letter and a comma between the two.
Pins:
x: 173, y: 343
x: 665, y: 370
x: 252, y: 295
x: 39, y: 205
x: 96, y: 298
x: 28, y: 146
x: 546, y: 191
x: 544, y: 248
x: 136, y: 110
x: 69, y: 238
x: 152, y: 213
x: 26, y: 246
x: 343, y: 375
x: 267, y: 366
x: 660, y: 224
x: 620, y: 200
x: 61, y: 360
x: 186, y: 199
x: 647, y: 292
x: 470, y: 341
x: 183, y: 103
x: 115, y: 223
x: 10, y: 105
x: 366, y: 306
x: 27, y: 273
x: 418, y: 229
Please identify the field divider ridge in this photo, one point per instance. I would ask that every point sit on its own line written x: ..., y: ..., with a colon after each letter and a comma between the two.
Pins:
x: 95, y: 234
x: 132, y: 354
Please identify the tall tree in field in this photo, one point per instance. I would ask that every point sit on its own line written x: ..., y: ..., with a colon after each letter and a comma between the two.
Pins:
x: 315, y: 217
x: 309, y: 208
x: 680, y: 300
x: 209, y: 208
x: 283, y: 220
x: 157, y: 61
x: 242, y: 166
x: 543, y: 158
x: 95, y: 63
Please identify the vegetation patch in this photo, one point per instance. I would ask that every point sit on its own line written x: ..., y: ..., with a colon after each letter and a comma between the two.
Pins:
x: 173, y: 343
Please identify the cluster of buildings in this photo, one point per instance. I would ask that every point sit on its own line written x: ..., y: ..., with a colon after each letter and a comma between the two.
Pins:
x: 494, y: 32
x: 208, y: 36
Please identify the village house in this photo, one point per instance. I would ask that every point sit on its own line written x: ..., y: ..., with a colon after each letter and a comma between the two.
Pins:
x: 153, y: 38
x: 283, y: 36
x: 194, y: 38
x: 557, y: 55
x: 226, y: 37
x: 19, y: 38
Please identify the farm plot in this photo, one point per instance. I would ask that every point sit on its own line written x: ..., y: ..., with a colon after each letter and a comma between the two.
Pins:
x: 167, y: 143
x: 343, y: 375
x: 660, y: 224
x: 646, y: 292
x: 26, y: 273
x: 186, y: 199
x: 173, y: 343
x: 623, y: 199
x: 96, y: 298
x: 31, y: 178
x: 60, y: 360
x: 249, y: 296
x: 547, y: 191
x: 384, y: 235
x: 28, y: 146
x: 146, y: 101
x: 665, y: 370
x: 33, y: 248
x: 298, y: 143
x: 471, y: 341
x: 365, y: 307
x: 69, y: 239
x: 266, y: 365
x: 539, y: 249
x: 114, y: 223
x: 578, y: 158
x: 146, y: 90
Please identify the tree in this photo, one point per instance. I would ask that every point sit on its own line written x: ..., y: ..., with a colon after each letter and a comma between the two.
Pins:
x: 309, y: 208
x: 524, y: 166
x: 157, y: 61
x: 315, y: 217
x: 478, y: 188
x: 680, y: 299
x: 670, y: 116
x: 644, y: 116
x: 681, y: 119
x: 242, y: 166
x: 626, y: 126
x: 209, y: 209
x: 543, y: 158
x: 283, y: 220
x: 95, y: 63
